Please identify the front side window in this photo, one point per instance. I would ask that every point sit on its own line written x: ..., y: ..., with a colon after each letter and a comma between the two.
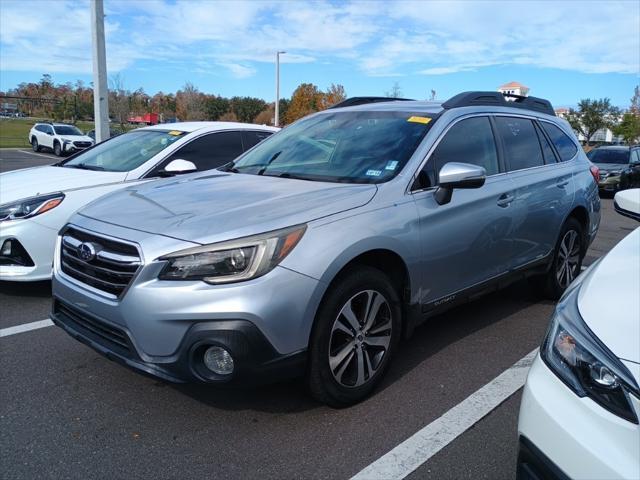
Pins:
x: 67, y: 130
x: 609, y: 155
x: 350, y: 147
x: 211, y: 150
x: 564, y: 145
x: 125, y: 152
x: 520, y: 140
x: 251, y: 138
x: 468, y: 141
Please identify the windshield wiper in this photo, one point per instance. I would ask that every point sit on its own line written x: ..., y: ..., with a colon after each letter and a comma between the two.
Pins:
x: 229, y: 167
x: 266, y: 165
x: 84, y: 166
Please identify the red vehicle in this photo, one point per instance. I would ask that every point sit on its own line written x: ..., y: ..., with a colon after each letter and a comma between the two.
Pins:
x: 147, y: 119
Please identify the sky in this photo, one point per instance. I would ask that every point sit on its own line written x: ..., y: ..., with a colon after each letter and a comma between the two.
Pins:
x: 561, y: 50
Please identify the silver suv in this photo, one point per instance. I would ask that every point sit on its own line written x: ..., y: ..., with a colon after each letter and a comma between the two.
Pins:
x: 316, y: 251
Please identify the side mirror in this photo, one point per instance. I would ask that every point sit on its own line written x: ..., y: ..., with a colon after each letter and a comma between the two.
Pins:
x: 458, y: 175
x: 177, y: 167
x: 627, y: 203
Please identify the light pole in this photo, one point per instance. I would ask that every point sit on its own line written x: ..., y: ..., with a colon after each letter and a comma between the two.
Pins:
x: 100, y: 93
x: 276, y: 120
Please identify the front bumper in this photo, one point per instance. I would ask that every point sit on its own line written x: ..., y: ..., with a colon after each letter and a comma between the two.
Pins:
x: 38, y: 241
x: 610, y: 184
x: 574, y: 436
x: 255, y: 359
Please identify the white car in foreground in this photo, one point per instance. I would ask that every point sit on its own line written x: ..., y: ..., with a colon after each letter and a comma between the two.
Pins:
x: 36, y: 202
x: 581, y: 403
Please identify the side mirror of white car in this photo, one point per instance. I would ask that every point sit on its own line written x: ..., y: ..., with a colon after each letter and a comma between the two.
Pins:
x: 178, y: 166
x: 627, y: 203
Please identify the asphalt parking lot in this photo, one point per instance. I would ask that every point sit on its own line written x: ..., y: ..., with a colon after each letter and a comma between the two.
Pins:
x: 67, y: 412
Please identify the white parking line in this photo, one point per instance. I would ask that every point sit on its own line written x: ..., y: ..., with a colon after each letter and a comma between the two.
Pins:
x: 37, y: 154
x: 424, y: 444
x: 25, y: 327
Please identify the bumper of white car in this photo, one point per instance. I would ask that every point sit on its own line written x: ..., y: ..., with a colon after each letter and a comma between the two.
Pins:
x: 565, y: 436
x: 33, y: 239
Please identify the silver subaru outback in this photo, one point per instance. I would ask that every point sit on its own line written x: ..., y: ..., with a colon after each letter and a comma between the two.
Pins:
x: 318, y: 250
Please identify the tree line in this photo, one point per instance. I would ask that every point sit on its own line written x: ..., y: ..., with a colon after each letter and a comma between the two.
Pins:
x: 74, y: 101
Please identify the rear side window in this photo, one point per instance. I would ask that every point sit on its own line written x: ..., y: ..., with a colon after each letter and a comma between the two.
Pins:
x: 468, y: 141
x: 547, y: 151
x: 250, y: 139
x: 521, y: 145
x: 564, y: 145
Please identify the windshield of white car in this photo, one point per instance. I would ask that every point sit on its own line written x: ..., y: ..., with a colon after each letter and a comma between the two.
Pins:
x: 125, y: 152
x: 349, y: 147
x: 67, y: 130
x: 609, y: 155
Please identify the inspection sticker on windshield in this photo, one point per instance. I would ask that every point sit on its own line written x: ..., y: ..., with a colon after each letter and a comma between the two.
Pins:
x: 374, y: 173
x: 175, y: 133
x: 414, y: 119
x: 391, y: 165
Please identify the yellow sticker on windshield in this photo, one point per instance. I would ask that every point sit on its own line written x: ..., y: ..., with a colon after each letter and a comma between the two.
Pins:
x: 424, y: 120
x: 176, y: 133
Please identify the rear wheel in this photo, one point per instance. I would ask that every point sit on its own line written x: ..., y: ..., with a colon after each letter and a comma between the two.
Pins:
x: 34, y: 144
x: 567, y: 260
x: 356, y: 332
x: 57, y: 149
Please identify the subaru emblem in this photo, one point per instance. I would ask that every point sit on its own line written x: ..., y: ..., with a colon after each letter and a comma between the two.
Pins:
x: 86, y: 251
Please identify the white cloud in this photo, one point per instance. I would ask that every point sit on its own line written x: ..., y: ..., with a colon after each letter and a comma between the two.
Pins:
x: 379, y: 38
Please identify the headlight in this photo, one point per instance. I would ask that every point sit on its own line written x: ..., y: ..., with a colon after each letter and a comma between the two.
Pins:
x: 30, y: 207
x: 585, y: 364
x: 232, y: 261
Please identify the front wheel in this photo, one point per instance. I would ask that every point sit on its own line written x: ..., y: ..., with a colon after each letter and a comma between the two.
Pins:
x: 356, y: 332
x: 57, y: 149
x: 34, y: 144
x: 567, y: 260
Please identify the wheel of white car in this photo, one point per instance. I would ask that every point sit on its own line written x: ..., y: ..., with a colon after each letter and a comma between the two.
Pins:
x: 356, y: 332
x: 57, y: 149
x: 34, y: 144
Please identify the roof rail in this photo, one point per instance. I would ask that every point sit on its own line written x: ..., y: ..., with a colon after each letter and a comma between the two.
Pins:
x: 470, y: 99
x: 353, y: 101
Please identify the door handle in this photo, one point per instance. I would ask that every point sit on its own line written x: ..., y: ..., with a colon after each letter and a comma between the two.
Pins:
x: 562, y: 183
x: 505, y: 200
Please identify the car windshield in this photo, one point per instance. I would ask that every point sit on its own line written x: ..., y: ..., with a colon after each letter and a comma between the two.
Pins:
x: 125, y: 152
x: 609, y: 155
x: 351, y: 147
x: 67, y: 130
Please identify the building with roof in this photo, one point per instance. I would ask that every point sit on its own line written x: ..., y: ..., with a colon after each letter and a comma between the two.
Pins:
x: 514, y: 88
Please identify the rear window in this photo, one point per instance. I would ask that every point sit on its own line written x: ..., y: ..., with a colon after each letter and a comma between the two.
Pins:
x: 609, y: 155
x: 564, y: 145
x: 520, y: 140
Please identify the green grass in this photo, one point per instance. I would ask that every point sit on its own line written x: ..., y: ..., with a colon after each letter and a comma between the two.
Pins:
x: 14, y: 132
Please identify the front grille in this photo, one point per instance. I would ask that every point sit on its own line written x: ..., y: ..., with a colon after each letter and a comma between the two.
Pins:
x: 115, y: 338
x: 82, y: 144
x: 108, y: 265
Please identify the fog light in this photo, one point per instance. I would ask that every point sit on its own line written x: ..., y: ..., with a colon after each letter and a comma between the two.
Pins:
x: 6, y: 248
x: 218, y: 360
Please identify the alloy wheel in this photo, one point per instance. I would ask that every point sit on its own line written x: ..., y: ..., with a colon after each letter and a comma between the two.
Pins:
x: 360, y: 338
x: 568, y: 258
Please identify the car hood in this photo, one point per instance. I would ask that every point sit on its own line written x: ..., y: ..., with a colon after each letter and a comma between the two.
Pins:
x: 607, y: 167
x: 608, y: 299
x: 213, y: 207
x: 29, y: 182
x: 77, y: 138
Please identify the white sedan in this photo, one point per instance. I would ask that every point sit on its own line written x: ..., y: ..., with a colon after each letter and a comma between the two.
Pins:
x: 36, y: 202
x: 581, y: 403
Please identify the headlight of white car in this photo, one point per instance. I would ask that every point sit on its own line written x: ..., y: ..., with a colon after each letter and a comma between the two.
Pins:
x: 30, y: 207
x: 585, y: 364
x: 232, y: 261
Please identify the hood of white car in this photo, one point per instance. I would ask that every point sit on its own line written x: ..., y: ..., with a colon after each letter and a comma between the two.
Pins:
x: 19, y: 184
x: 608, y: 300
x: 77, y: 138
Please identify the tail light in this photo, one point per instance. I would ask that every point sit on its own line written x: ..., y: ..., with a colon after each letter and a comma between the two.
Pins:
x: 595, y: 171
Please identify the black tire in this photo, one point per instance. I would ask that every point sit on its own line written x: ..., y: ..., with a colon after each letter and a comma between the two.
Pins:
x: 554, y: 283
x: 34, y: 144
x: 359, y: 287
x: 57, y: 149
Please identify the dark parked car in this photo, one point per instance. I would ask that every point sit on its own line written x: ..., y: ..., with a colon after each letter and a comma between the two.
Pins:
x: 619, y: 167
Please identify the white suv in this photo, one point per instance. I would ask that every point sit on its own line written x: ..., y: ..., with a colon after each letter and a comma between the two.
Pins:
x: 59, y: 137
